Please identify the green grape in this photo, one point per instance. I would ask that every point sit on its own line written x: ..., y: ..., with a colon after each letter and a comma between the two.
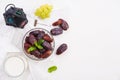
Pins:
x: 37, y: 12
x: 44, y: 11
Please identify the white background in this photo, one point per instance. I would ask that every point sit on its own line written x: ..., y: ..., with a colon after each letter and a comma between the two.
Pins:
x: 93, y: 38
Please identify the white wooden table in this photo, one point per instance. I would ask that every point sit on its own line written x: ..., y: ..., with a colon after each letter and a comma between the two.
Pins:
x: 93, y: 39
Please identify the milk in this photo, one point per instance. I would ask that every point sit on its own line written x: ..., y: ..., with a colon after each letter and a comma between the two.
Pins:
x: 14, y: 66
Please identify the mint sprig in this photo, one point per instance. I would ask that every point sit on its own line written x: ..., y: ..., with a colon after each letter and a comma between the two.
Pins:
x: 39, y: 44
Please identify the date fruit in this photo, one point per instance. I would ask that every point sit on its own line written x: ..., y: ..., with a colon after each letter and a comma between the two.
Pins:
x: 32, y: 39
x: 42, y: 51
x: 64, y: 25
x: 35, y: 33
x: 47, y: 45
x: 36, y: 53
x: 46, y: 54
x: 39, y: 36
x: 27, y: 39
x: 63, y: 47
x: 46, y: 37
x: 61, y: 23
x: 57, y: 23
x: 56, y: 31
x: 27, y: 46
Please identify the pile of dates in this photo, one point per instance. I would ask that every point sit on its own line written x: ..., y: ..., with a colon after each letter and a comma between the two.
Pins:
x: 60, y: 25
x: 39, y: 44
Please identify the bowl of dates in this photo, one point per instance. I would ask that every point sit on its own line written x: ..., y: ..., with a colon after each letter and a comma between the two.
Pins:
x: 38, y: 44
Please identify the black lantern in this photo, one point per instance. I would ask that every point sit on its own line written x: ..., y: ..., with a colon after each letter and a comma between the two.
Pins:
x: 15, y: 16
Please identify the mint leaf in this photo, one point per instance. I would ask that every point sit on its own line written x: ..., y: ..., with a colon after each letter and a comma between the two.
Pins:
x: 38, y: 46
x: 40, y: 41
x: 52, y: 68
x: 32, y: 48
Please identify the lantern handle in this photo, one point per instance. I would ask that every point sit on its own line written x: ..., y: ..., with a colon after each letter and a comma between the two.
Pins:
x: 8, y: 6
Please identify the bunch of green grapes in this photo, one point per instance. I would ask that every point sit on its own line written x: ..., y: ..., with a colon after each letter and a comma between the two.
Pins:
x: 44, y: 11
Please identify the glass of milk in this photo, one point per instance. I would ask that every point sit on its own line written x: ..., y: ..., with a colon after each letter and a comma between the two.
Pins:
x: 15, y: 65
